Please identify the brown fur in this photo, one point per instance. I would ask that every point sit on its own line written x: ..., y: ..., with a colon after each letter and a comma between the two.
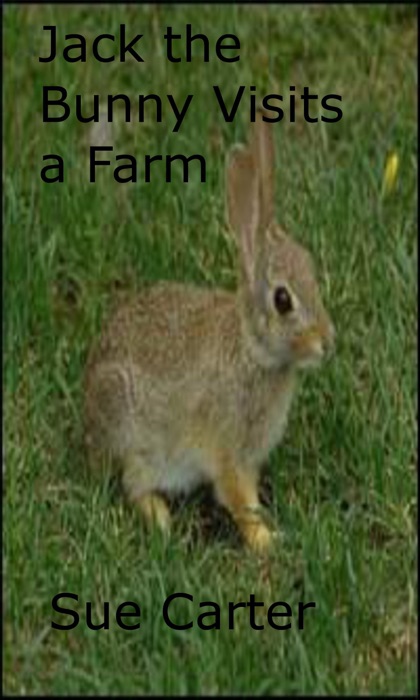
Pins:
x: 189, y: 385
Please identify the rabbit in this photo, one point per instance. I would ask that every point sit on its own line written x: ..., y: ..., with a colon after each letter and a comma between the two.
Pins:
x: 190, y: 385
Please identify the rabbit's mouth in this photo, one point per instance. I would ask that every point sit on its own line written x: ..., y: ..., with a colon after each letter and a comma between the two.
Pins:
x: 309, y: 361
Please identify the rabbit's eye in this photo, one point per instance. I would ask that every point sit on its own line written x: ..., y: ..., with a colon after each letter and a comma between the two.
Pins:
x: 282, y: 300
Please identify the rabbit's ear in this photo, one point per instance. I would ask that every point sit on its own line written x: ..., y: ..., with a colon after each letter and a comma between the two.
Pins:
x: 244, y: 209
x: 262, y: 146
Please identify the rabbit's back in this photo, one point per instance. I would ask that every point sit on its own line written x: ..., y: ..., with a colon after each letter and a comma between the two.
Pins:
x: 164, y: 328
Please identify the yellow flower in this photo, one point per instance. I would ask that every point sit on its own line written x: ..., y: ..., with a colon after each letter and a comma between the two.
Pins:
x: 390, y: 172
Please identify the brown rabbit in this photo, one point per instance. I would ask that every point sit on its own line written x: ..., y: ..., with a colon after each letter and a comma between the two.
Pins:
x: 190, y: 385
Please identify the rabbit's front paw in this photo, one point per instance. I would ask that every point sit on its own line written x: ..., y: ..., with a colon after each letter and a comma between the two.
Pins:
x: 258, y: 537
x: 155, y: 512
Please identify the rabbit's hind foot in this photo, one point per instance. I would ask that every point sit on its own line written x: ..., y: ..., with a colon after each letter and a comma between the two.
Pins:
x: 238, y: 492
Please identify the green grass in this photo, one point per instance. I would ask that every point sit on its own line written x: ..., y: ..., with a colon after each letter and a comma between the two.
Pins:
x: 344, y: 478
